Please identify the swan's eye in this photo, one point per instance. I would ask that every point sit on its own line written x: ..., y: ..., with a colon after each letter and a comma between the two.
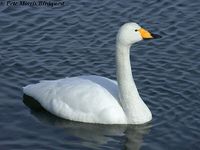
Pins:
x: 136, y: 30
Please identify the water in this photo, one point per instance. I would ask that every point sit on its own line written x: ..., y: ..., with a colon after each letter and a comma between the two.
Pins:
x: 39, y: 43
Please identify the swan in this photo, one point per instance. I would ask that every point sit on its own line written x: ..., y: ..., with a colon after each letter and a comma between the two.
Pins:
x: 96, y: 99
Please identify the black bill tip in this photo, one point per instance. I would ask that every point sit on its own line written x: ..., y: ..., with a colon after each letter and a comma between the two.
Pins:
x: 155, y: 36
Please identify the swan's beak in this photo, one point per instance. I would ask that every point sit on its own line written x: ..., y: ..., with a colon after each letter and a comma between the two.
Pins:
x: 147, y: 35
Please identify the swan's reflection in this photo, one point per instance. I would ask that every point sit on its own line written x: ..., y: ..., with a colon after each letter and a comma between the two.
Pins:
x: 95, y: 136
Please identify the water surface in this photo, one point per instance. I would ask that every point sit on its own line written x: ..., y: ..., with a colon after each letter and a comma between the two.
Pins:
x: 38, y: 43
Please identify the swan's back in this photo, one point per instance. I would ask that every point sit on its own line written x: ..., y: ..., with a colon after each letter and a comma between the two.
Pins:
x: 84, y: 98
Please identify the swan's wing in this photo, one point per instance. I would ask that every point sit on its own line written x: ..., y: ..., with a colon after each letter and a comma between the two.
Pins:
x: 108, y: 84
x: 78, y: 99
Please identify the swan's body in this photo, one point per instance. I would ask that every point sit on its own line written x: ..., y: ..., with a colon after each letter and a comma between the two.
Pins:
x: 81, y: 98
x: 96, y: 99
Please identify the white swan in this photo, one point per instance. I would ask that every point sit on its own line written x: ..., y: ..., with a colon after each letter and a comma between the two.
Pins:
x: 96, y: 99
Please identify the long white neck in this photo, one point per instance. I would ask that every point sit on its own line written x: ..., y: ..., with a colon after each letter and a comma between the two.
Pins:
x: 135, y: 109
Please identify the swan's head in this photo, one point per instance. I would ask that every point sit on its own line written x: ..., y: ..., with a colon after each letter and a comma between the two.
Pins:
x: 131, y: 33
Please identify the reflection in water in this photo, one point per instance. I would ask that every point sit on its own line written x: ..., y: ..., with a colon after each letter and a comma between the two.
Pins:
x: 95, y: 136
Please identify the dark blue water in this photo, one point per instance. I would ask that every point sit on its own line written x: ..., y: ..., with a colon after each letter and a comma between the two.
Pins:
x: 78, y: 38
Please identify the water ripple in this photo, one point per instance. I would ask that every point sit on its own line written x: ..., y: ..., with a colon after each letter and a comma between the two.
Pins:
x: 79, y: 38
